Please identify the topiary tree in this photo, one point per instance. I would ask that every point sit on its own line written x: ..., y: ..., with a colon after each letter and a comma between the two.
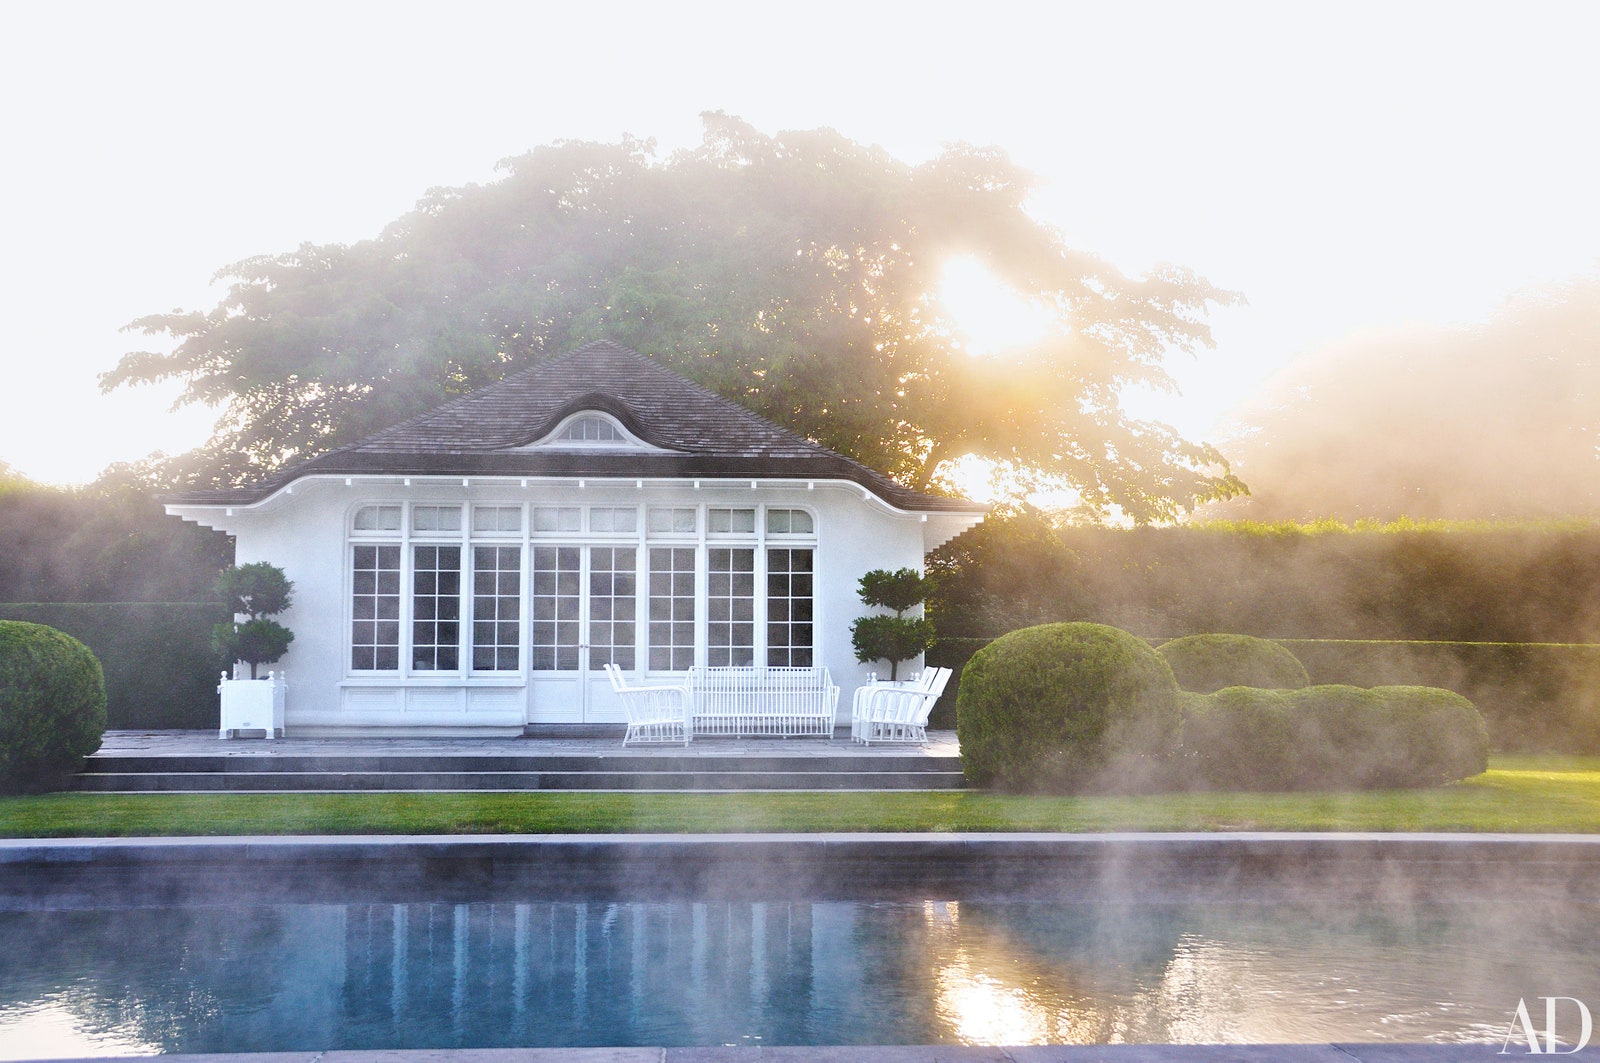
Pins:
x: 891, y: 638
x: 1207, y: 663
x: 256, y: 591
x: 52, y: 707
x: 1064, y: 707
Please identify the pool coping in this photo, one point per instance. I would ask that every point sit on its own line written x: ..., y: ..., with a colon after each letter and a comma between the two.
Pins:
x: 1333, y: 1052
x: 1341, y: 1052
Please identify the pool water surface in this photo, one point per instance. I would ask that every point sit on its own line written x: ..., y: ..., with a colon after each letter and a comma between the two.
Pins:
x: 296, y: 977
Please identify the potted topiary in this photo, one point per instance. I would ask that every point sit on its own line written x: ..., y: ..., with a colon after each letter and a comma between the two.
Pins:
x: 891, y: 638
x: 255, y: 591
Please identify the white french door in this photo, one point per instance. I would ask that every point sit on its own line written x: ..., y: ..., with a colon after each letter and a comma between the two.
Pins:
x: 583, y: 614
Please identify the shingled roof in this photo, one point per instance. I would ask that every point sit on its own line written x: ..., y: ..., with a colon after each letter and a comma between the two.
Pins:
x: 701, y: 435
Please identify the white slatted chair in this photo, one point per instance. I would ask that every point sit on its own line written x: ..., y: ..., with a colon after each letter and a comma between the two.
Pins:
x: 899, y: 713
x: 656, y: 713
x: 858, y: 703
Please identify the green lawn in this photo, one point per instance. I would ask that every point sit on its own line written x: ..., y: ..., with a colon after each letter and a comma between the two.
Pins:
x: 1518, y: 793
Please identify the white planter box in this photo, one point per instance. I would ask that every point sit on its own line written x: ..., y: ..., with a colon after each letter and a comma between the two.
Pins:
x: 252, y: 705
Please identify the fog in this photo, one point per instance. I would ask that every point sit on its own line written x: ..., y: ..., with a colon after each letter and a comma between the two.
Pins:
x: 1494, y: 421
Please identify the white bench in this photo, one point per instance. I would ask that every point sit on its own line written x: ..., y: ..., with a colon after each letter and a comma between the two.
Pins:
x: 762, y: 701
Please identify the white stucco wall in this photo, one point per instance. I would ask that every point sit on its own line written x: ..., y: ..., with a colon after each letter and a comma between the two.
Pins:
x: 305, y: 531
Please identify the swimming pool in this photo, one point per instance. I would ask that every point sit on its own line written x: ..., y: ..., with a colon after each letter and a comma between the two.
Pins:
x: 114, y: 973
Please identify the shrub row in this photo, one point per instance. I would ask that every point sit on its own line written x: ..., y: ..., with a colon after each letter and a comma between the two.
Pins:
x: 1331, y: 737
x: 1442, y: 590
x: 1077, y: 706
x: 160, y: 669
x: 1534, y: 697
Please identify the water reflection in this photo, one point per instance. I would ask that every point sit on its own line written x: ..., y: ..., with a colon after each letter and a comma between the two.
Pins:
x: 304, y: 977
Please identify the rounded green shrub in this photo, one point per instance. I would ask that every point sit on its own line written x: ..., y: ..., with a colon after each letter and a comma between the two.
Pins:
x: 1239, y: 738
x: 52, y: 707
x: 1064, y: 707
x: 1208, y: 663
x: 1444, y: 736
x: 1331, y: 737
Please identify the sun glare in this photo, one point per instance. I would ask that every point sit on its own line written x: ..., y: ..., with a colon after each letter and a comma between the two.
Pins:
x: 991, y: 315
x: 49, y: 1030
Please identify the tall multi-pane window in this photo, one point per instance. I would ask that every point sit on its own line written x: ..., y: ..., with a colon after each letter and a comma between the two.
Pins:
x: 613, y: 605
x: 789, y: 606
x: 464, y: 588
x: 436, y: 608
x: 496, y: 608
x: 730, y: 605
x: 671, y: 628
x: 375, y: 607
x: 553, y: 598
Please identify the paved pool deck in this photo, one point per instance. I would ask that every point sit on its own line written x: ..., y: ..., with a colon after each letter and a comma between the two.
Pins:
x: 184, y: 744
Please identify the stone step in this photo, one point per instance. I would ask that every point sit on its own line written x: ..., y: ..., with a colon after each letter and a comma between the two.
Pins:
x: 264, y: 763
x: 597, y: 777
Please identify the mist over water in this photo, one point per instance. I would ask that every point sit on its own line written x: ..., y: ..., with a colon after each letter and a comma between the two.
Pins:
x: 331, y: 976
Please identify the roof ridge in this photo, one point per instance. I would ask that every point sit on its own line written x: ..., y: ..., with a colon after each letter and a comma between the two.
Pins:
x: 707, y: 433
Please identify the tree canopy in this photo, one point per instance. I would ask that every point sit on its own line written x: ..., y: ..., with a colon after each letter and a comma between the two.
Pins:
x: 797, y: 273
x: 107, y: 542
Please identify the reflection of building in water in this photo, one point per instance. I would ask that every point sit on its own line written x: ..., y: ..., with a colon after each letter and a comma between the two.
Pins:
x: 577, y: 974
x: 313, y: 977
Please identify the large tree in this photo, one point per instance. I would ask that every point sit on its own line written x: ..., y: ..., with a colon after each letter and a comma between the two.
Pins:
x: 798, y: 274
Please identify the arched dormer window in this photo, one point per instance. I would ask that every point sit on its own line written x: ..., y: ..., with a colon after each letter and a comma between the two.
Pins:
x: 590, y: 430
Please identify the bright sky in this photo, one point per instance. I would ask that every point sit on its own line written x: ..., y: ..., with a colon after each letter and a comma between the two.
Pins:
x: 1348, y: 166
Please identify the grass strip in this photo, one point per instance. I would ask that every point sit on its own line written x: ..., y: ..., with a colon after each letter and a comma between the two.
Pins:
x: 1517, y: 794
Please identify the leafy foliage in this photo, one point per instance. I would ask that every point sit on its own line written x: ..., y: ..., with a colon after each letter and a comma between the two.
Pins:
x: 52, y: 707
x: 108, y: 542
x: 1011, y: 571
x: 1332, y: 737
x: 159, y: 665
x: 891, y: 638
x: 1207, y: 663
x: 1064, y: 707
x: 255, y: 590
x: 1330, y: 592
x: 899, y: 590
x: 799, y: 274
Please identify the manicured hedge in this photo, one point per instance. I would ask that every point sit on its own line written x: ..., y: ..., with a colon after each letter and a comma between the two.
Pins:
x: 1534, y: 697
x: 1207, y: 663
x: 1331, y: 737
x: 52, y: 707
x: 1238, y: 738
x: 160, y: 669
x: 1064, y: 707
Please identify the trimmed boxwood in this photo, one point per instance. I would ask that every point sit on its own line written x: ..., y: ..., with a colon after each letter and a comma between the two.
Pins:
x: 1064, y: 707
x: 52, y: 707
x: 1331, y: 737
x: 1239, y: 738
x: 1208, y: 663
